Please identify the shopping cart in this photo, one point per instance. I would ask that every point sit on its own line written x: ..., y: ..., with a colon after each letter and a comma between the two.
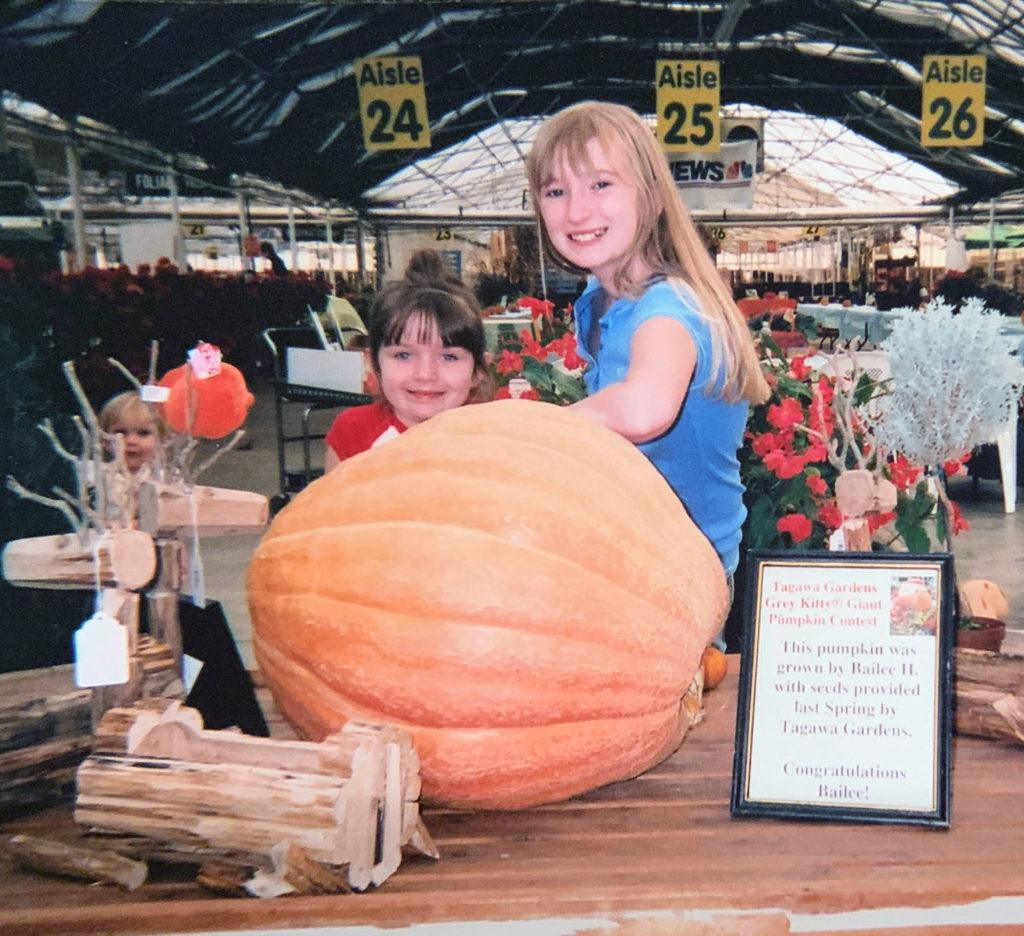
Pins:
x: 307, y: 400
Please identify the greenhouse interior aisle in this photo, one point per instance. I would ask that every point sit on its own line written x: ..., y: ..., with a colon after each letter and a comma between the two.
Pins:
x: 992, y: 549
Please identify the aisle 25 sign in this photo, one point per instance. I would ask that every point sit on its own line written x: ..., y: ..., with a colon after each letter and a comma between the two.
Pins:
x: 687, y: 96
x: 392, y: 102
x: 953, y: 100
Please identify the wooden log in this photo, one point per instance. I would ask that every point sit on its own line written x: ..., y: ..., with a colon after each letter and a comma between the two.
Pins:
x: 990, y: 695
x: 346, y: 801
x: 125, y: 559
x: 44, y: 735
x: 162, y: 598
x: 165, y: 510
x: 89, y: 864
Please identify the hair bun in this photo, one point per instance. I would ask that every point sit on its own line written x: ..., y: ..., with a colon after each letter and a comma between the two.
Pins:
x: 427, y: 268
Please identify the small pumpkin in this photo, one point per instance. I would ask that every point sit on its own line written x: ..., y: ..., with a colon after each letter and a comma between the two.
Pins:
x: 514, y: 585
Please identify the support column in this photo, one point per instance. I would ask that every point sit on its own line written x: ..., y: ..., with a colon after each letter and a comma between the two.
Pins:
x: 292, y: 246
x: 179, y: 237
x: 360, y: 253
x: 329, y: 228
x: 74, y: 166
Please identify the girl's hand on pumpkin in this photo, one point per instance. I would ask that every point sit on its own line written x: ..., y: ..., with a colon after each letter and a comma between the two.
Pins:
x: 646, y: 403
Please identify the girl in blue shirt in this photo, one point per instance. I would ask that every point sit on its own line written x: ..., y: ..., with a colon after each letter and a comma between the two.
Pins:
x: 671, y: 363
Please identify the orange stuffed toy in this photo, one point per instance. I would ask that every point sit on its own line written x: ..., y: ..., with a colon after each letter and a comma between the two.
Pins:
x: 214, y: 392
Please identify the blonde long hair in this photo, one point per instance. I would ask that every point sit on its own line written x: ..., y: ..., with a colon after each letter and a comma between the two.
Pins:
x: 666, y: 240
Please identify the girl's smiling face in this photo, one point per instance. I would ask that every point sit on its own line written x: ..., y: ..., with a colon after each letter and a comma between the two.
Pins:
x: 591, y: 212
x: 420, y: 377
x: 139, y: 432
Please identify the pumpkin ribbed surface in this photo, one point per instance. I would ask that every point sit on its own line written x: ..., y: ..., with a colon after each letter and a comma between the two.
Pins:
x: 515, y: 586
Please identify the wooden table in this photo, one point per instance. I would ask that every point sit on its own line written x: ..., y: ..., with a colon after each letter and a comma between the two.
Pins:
x: 656, y: 855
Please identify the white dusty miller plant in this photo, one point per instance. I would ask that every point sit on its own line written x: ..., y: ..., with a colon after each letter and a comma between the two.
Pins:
x: 955, y: 383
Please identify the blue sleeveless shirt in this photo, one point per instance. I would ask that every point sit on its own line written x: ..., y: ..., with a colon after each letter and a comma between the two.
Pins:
x: 697, y: 454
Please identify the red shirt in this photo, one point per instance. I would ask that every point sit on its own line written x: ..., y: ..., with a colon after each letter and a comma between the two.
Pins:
x: 357, y: 429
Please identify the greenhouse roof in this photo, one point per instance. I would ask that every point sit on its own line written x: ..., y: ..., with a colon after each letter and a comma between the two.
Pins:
x: 268, y: 88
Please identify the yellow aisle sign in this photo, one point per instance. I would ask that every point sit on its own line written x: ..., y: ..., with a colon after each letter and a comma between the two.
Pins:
x: 392, y: 102
x: 953, y: 100
x: 687, y: 96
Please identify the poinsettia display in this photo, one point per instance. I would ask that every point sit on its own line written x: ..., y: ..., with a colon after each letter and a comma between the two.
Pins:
x: 552, y: 368
x: 800, y: 442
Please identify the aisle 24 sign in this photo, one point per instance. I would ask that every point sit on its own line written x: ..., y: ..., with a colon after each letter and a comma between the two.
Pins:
x: 392, y: 102
x: 953, y: 100
x: 687, y: 96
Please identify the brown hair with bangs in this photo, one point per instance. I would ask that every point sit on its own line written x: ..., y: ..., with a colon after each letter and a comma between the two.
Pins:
x: 666, y: 241
x: 429, y: 297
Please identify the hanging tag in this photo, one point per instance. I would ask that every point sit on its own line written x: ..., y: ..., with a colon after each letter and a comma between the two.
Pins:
x: 517, y: 386
x: 196, y: 576
x: 101, y: 652
x: 837, y: 541
x: 154, y: 393
x: 205, y: 360
x: 190, y: 669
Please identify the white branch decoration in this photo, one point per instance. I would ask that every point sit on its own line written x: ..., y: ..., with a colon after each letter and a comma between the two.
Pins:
x: 955, y: 383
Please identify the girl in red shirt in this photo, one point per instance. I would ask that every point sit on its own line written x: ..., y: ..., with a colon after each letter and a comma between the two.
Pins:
x: 427, y: 350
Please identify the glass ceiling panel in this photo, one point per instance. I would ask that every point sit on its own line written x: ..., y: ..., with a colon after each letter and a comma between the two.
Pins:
x: 828, y: 164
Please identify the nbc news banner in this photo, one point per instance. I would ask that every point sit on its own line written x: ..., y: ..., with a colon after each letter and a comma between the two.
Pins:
x: 725, y: 179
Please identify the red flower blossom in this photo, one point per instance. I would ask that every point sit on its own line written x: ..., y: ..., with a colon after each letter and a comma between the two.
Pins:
x: 816, y: 484
x: 786, y: 414
x: 903, y: 474
x: 830, y: 516
x: 815, y: 453
x: 954, y: 465
x: 530, y: 394
x: 798, y: 368
x: 958, y: 522
x: 503, y: 393
x: 764, y: 443
x: 876, y: 520
x: 531, y: 347
x: 565, y: 348
x: 782, y: 465
x: 509, y: 363
x: 796, y: 525
x: 537, y: 307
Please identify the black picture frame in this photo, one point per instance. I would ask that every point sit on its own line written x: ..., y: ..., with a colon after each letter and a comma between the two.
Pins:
x: 857, y: 727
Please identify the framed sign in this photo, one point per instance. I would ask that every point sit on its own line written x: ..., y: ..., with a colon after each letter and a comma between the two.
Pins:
x: 953, y: 100
x: 687, y: 97
x: 392, y: 102
x: 845, y: 696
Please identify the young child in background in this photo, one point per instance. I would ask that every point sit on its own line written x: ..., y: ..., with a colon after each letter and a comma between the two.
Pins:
x: 671, y: 364
x: 427, y: 352
x: 138, y: 423
x: 223, y: 692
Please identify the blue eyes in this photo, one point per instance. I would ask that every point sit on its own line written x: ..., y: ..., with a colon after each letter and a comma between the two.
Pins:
x: 560, y: 192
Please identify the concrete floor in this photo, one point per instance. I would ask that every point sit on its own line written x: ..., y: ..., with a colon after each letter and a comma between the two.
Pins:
x: 992, y: 549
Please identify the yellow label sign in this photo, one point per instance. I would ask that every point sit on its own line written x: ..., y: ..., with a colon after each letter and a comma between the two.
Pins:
x: 953, y: 100
x: 687, y: 97
x: 195, y: 230
x: 392, y: 102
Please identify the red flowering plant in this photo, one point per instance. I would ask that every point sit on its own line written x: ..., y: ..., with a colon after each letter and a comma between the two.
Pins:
x: 553, y: 371
x: 793, y: 451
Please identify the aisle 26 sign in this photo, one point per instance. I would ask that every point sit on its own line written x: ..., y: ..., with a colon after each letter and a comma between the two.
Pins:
x: 687, y: 96
x: 953, y: 100
x: 392, y: 102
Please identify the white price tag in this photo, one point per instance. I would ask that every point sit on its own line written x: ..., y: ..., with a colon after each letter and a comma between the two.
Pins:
x: 190, y: 668
x: 154, y: 393
x: 101, y: 652
x: 837, y: 541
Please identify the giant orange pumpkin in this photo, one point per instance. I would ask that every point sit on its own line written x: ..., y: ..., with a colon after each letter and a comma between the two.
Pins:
x: 514, y: 585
